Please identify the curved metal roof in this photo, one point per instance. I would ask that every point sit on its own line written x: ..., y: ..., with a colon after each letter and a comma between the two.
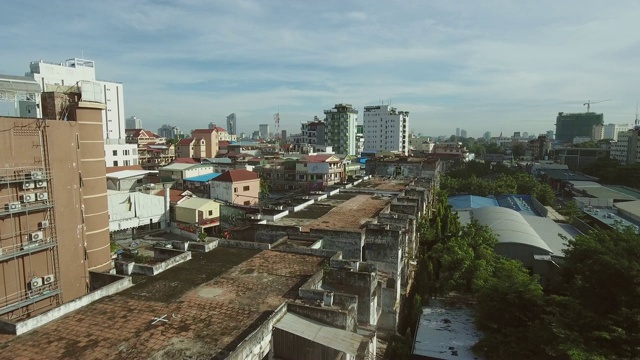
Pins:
x: 510, y: 227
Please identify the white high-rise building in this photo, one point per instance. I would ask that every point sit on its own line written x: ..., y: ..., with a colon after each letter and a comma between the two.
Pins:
x: 56, y: 76
x: 385, y: 129
x: 611, y: 131
x: 133, y: 122
x: 232, y: 124
x: 627, y: 149
x: 264, y: 131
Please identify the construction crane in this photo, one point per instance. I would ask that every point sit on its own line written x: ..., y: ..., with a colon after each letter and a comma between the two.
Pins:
x: 588, y: 103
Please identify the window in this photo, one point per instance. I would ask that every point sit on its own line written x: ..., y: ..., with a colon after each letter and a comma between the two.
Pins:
x: 127, y: 163
x: 245, y: 188
x: 235, y: 189
x: 115, y: 163
x: 247, y: 202
x: 139, y: 181
x: 210, y: 212
x: 115, y: 152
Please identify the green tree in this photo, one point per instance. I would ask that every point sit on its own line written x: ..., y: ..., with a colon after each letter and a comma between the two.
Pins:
x: 518, y: 150
x: 512, y: 315
x: 600, y: 313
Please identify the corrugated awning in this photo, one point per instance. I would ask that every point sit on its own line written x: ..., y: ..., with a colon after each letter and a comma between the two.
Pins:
x: 338, y: 339
x: 20, y: 87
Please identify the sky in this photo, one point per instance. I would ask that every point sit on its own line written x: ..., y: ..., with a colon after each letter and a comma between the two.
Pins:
x: 492, y: 65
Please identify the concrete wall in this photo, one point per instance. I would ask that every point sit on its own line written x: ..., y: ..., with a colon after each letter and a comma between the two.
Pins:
x: 327, y: 315
x: 258, y: 344
x: 360, y: 284
x: 301, y: 206
x: 275, y: 217
x: 180, y: 232
x: 19, y: 328
x: 169, y: 261
x: 384, y: 248
x: 269, y: 234
x: 349, y: 242
x: 243, y: 244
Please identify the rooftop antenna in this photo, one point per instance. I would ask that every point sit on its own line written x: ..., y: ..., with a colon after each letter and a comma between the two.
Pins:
x: 637, y: 121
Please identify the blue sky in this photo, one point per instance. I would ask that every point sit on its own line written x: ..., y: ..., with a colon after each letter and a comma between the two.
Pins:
x: 477, y: 65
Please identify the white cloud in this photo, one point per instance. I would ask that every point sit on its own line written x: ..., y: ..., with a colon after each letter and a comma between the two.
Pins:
x: 478, y: 65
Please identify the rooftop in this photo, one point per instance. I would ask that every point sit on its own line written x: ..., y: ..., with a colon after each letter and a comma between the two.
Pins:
x: 113, y: 169
x: 123, y: 174
x: 347, y: 212
x: 446, y: 331
x: 211, y: 302
x: 203, y: 178
x: 195, y: 203
x: 237, y: 175
x: 381, y: 184
x: 599, y: 191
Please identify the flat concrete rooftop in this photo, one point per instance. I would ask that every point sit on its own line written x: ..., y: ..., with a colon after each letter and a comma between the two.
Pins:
x: 344, y: 211
x: 211, y: 302
x: 380, y: 184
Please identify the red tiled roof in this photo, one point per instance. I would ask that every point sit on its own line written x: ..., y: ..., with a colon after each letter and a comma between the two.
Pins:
x: 236, y: 175
x: 208, y: 131
x: 223, y: 143
x: 186, y: 141
x: 121, y: 168
x: 139, y: 132
x: 219, y: 129
x: 241, y: 155
x: 184, y: 161
x: 175, y: 196
x: 318, y: 158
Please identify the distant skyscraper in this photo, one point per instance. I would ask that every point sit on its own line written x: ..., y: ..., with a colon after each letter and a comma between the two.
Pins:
x: 487, y: 136
x: 231, y: 124
x: 463, y: 133
x: 169, y: 132
x: 264, y: 131
x: 550, y: 135
x: 283, y: 135
x: 457, y: 132
x: 611, y: 131
x: 133, y: 123
x: 525, y: 135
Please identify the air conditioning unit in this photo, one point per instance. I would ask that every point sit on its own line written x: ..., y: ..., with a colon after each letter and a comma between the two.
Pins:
x: 35, y: 236
x: 48, y: 279
x: 42, y: 196
x: 28, y: 198
x: 13, y: 206
x: 35, y: 283
x: 43, y: 224
x: 37, y: 175
x: 27, y: 185
x: 41, y: 183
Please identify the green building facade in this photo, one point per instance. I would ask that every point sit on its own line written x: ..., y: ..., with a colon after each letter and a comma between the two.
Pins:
x: 570, y: 125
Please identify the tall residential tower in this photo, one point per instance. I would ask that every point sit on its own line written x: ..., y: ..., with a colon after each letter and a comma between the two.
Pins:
x: 385, y: 129
x: 340, y: 128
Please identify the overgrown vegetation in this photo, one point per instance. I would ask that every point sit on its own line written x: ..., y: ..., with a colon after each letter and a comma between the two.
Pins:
x: 589, y: 312
x: 609, y: 171
x: 484, y: 179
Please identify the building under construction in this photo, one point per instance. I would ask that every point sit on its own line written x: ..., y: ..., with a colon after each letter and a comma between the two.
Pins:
x: 571, y: 125
x: 54, y: 224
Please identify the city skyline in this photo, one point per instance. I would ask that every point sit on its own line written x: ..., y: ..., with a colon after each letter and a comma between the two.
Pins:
x: 478, y: 66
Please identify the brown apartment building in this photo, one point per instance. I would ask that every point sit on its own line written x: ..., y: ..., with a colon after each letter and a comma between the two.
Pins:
x: 54, y: 223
